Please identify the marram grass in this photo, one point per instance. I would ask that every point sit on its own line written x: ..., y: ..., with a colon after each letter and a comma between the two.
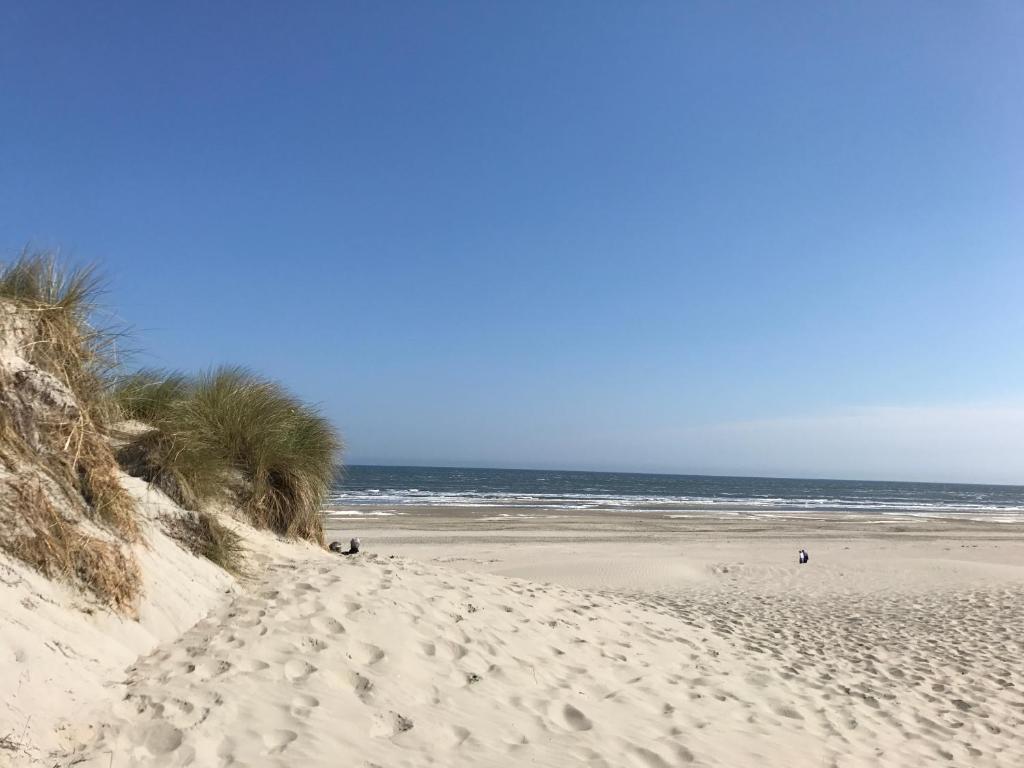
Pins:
x: 59, y: 305
x: 204, y: 535
x: 230, y: 427
x: 60, y: 549
x: 226, y: 433
x: 62, y: 302
x: 168, y: 455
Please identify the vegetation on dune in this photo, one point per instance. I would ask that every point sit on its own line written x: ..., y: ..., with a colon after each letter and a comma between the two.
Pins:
x: 59, y: 548
x: 169, y: 455
x: 226, y: 435
x: 284, y: 449
x: 206, y: 536
x: 148, y: 394
x: 66, y: 344
x: 230, y: 428
x: 59, y: 303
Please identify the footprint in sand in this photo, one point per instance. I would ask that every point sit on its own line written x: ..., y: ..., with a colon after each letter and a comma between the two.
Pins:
x: 647, y: 758
x: 456, y: 736
x: 452, y: 650
x: 251, y: 665
x: 366, y: 654
x: 162, y: 738
x: 184, y: 714
x: 297, y: 670
x: 277, y: 741
x: 310, y: 644
x: 302, y: 704
x: 784, y: 710
x: 327, y: 624
x: 362, y: 686
x: 206, y: 670
x: 305, y: 700
x: 389, y: 724
x: 571, y: 718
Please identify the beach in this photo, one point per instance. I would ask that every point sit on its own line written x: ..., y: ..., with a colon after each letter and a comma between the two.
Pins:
x: 512, y: 385
x: 599, y: 640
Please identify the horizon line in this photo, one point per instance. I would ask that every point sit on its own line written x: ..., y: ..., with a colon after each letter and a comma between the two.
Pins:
x: 343, y: 466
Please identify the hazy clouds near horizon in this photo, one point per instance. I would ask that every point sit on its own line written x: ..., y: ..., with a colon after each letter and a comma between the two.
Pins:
x: 980, y: 444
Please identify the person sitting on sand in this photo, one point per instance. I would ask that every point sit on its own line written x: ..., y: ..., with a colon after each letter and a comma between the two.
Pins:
x: 353, y: 547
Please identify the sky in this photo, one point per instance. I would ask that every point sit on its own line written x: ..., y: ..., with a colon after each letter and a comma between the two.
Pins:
x: 734, y: 238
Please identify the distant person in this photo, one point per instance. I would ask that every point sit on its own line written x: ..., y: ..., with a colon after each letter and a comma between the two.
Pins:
x: 804, y: 557
x: 353, y: 547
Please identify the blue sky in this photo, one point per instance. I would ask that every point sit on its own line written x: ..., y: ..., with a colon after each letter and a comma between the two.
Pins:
x: 699, y: 237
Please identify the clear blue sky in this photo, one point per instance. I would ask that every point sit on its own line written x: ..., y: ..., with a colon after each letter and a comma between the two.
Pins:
x: 759, y: 238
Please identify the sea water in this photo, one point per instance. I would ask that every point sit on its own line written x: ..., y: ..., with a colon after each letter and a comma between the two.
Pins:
x: 384, y: 491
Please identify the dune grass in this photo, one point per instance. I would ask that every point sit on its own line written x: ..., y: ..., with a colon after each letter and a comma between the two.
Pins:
x: 230, y: 425
x: 67, y: 344
x: 226, y: 434
x: 204, y: 535
x: 60, y: 549
x: 148, y: 394
x: 60, y: 304
x: 169, y: 455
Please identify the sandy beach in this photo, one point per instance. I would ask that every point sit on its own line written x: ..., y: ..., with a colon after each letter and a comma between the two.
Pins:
x: 596, y: 640
x: 512, y: 385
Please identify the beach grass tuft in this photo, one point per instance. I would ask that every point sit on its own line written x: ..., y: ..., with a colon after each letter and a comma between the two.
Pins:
x: 62, y: 303
x: 59, y: 548
x: 169, y: 452
x: 231, y: 428
x: 148, y: 394
x: 204, y: 535
x: 59, y: 305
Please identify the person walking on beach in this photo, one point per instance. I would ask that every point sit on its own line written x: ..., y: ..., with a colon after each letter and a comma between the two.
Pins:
x: 804, y: 557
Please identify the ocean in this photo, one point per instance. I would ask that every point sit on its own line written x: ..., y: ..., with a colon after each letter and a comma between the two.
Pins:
x: 385, y: 491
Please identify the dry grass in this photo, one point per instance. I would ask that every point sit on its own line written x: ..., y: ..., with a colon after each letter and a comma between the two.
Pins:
x: 225, y: 432
x: 59, y: 549
x: 159, y: 459
x: 54, y: 440
x: 204, y: 535
x: 90, y: 460
x: 67, y: 345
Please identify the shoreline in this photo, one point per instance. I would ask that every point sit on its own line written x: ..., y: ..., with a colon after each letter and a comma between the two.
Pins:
x: 514, y: 512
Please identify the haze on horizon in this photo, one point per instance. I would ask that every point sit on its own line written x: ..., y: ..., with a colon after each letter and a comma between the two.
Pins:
x: 767, y: 240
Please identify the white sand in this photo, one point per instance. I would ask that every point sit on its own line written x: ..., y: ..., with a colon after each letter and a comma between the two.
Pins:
x: 704, y: 647
x: 373, y: 661
x: 59, y: 650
